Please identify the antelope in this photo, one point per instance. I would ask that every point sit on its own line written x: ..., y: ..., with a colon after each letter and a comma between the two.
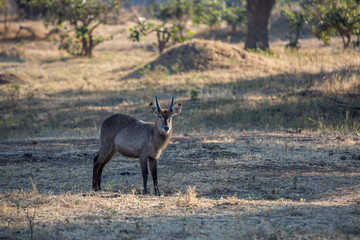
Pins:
x: 136, y: 139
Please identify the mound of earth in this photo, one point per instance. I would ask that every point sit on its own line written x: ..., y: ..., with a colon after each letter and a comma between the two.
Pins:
x: 201, y: 55
x: 9, y: 78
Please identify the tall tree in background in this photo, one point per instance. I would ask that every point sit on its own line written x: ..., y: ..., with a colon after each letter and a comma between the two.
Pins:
x: 259, y: 12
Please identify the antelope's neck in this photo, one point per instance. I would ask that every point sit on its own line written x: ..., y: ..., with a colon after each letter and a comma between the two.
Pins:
x: 161, y: 141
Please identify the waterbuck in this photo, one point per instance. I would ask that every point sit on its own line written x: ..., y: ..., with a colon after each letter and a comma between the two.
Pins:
x: 137, y: 139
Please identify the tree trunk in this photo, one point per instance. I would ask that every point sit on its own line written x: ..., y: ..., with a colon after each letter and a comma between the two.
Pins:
x: 163, y: 38
x: 259, y: 12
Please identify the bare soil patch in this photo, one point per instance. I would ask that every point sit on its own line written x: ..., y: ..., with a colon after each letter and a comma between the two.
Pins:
x: 248, y: 185
x: 218, y: 181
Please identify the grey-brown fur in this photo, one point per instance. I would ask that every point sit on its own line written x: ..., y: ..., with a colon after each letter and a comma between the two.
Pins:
x: 137, y: 139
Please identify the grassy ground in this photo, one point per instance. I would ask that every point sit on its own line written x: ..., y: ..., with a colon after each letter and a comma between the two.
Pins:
x: 245, y: 185
x: 287, y: 90
x: 261, y: 150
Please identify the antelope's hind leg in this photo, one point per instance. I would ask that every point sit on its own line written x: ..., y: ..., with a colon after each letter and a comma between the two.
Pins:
x: 104, y: 155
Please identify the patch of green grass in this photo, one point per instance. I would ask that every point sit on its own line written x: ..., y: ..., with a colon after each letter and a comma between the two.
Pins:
x: 109, y: 185
x: 257, y: 197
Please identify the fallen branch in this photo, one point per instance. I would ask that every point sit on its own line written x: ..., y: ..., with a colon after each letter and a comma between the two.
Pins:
x: 345, y: 104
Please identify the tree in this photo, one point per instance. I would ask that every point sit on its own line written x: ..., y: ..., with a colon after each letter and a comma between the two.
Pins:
x: 177, y: 13
x: 297, y: 21
x: 210, y: 13
x: 144, y: 28
x: 259, y: 12
x: 174, y: 16
x: 234, y: 16
x: 83, y: 17
x: 332, y: 17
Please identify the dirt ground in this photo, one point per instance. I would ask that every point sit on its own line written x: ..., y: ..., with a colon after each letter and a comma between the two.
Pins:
x: 272, y: 151
x: 245, y: 185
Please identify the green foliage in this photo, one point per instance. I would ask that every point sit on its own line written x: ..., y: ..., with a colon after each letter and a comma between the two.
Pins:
x: 109, y: 186
x: 141, y: 29
x: 209, y: 13
x: 235, y: 16
x: 174, y: 16
x: 213, y: 12
x: 333, y: 17
x: 3, y: 4
x: 177, y: 13
x: 297, y: 20
x: 194, y: 94
x: 83, y: 17
x: 144, y: 28
x: 258, y: 197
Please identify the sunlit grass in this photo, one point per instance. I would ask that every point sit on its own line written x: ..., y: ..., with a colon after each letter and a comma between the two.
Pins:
x: 284, y: 90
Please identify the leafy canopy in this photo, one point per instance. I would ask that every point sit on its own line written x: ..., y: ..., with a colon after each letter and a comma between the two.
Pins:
x: 83, y: 17
x: 333, y: 17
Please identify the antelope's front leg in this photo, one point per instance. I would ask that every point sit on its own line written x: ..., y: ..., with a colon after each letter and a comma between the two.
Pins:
x: 144, y: 172
x: 153, y: 169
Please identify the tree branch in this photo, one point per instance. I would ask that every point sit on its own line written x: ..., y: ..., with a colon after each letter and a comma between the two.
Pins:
x: 345, y: 104
x: 95, y: 26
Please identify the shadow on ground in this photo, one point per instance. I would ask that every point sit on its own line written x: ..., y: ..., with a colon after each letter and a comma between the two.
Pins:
x: 275, y: 102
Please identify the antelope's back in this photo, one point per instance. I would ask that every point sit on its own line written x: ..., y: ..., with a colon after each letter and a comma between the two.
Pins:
x: 127, y: 133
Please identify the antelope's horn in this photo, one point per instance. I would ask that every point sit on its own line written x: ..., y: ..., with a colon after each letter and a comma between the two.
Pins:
x: 157, y: 104
x: 172, y: 103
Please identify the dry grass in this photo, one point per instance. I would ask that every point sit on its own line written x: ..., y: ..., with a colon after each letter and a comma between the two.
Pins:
x: 118, y: 216
x: 267, y: 148
x: 287, y: 90
x: 245, y: 185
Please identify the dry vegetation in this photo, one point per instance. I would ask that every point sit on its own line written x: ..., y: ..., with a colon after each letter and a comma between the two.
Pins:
x: 245, y: 185
x: 267, y: 146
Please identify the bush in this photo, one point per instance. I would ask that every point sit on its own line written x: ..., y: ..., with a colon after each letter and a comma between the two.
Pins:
x: 144, y: 28
x: 174, y: 16
x: 83, y: 18
x: 332, y: 17
x: 297, y: 21
x: 235, y: 16
x: 177, y: 13
x: 209, y: 13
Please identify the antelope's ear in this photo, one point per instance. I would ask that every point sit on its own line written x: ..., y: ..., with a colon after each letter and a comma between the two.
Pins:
x: 153, y: 109
x: 177, y: 109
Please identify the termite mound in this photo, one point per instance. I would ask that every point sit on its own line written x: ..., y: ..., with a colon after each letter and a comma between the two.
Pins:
x: 201, y: 55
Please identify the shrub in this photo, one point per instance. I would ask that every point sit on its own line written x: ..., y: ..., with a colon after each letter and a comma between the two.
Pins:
x: 83, y: 18
x: 332, y: 17
x: 234, y: 16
